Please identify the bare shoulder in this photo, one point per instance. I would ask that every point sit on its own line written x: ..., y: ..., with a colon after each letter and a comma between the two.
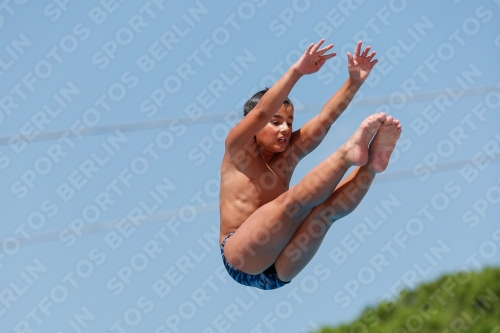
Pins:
x: 240, y: 158
x: 299, y: 146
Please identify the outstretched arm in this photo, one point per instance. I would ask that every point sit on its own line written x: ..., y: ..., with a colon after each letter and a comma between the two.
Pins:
x: 314, y: 131
x: 310, y: 62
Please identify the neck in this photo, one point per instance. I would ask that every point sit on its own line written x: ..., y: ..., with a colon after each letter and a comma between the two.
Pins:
x: 267, y: 156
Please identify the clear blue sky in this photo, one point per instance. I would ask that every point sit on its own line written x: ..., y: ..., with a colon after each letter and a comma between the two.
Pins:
x: 113, y: 109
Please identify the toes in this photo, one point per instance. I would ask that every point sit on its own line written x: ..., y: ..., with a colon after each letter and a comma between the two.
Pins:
x: 375, y: 118
x: 398, y: 125
x: 389, y: 120
x: 381, y: 117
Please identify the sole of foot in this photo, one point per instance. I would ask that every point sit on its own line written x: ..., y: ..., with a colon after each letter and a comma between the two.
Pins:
x: 383, y: 144
x: 357, y: 152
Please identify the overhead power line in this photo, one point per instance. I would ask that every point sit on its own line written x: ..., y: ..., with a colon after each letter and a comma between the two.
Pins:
x: 217, y: 117
x: 214, y: 206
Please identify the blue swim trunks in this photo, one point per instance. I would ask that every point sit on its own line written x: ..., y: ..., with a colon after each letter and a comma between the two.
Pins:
x: 266, y: 280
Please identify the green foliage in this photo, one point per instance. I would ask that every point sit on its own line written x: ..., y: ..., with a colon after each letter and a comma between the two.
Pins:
x: 462, y: 302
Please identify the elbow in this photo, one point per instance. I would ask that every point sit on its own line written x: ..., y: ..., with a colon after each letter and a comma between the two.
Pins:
x: 259, y: 112
x: 230, y: 140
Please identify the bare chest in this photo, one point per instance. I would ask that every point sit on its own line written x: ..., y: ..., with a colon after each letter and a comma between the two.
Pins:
x: 264, y: 181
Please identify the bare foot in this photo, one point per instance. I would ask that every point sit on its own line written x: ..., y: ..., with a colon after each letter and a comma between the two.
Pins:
x: 383, y: 144
x: 356, y: 148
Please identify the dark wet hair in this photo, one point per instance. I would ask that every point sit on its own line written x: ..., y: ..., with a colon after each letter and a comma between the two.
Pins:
x: 252, y: 102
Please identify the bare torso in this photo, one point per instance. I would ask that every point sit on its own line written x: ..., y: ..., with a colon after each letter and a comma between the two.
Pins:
x: 248, y: 182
